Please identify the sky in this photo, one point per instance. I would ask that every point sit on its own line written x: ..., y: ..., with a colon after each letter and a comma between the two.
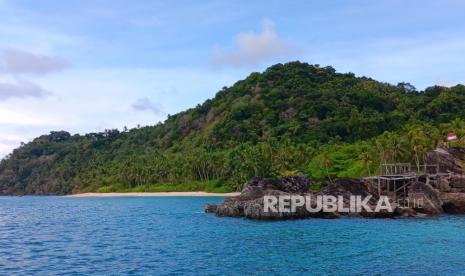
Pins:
x: 87, y: 66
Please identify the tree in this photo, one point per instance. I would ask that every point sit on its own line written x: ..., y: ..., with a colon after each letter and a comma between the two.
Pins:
x: 326, y: 163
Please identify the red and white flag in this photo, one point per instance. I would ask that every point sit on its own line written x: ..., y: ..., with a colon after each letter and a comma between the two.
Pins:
x: 451, y: 136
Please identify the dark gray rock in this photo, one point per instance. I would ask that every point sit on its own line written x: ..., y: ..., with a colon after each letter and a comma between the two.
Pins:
x: 457, y: 182
x: 425, y: 199
x: 347, y: 187
x: 250, y: 202
x: 449, y: 160
x: 453, y: 203
x: 211, y: 208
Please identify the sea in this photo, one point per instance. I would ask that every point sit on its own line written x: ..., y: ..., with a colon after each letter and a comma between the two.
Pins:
x: 173, y: 236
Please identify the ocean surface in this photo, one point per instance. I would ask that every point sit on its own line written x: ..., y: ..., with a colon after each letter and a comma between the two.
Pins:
x: 159, y: 236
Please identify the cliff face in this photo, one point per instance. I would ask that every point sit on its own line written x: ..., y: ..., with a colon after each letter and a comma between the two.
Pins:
x: 446, y: 194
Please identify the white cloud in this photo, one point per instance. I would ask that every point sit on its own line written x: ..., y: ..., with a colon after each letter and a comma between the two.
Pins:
x: 16, y: 62
x: 21, y: 89
x: 145, y: 104
x: 251, y: 49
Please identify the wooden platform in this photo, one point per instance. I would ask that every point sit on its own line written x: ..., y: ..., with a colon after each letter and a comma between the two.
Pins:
x: 396, y: 178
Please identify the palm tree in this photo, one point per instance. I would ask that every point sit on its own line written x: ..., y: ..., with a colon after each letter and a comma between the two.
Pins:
x: 326, y: 163
x: 367, y: 160
x: 420, y: 143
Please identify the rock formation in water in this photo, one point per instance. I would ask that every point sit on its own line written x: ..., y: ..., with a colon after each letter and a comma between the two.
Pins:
x: 446, y: 195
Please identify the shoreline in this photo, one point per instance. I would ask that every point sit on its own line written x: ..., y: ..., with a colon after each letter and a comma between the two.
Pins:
x: 157, y: 194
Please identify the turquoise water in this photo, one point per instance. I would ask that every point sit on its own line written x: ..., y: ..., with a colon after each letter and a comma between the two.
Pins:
x: 156, y: 236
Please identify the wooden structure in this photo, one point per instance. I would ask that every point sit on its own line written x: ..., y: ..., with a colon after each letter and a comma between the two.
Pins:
x: 396, y: 178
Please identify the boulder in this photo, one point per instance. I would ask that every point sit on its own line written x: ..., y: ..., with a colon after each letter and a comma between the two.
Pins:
x: 250, y: 203
x: 292, y: 184
x: 347, y: 187
x: 254, y: 209
x: 211, y: 208
x: 423, y: 198
x: 442, y: 184
x: 450, y: 160
x: 405, y: 212
x: 457, y: 182
x: 453, y: 203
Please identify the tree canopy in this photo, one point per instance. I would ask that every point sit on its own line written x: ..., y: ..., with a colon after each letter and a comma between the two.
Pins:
x: 291, y: 118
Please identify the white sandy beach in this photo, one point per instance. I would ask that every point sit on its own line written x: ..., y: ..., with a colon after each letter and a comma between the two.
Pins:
x: 163, y: 194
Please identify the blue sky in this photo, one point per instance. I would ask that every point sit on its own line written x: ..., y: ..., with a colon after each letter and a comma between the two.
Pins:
x: 85, y: 66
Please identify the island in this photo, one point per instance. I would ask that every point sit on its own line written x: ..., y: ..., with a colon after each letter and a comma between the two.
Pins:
x: 292, y: 119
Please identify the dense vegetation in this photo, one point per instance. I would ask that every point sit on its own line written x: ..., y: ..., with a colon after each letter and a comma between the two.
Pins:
x: 292, y: 118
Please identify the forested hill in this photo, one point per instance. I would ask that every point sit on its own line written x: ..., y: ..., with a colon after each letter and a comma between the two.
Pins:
x: 292, y: 118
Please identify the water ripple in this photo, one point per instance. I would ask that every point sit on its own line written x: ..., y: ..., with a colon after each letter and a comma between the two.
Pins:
x: 167, y: 236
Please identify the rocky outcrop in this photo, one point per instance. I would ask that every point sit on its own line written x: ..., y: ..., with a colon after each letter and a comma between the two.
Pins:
x: 423, y: 198
x: 449, y: 160
x: 453, y: 203
x: 440, y: 191
x: 346, y: 187
x: 457, y: 183
x: 250, y: 203
x: 298, y: 184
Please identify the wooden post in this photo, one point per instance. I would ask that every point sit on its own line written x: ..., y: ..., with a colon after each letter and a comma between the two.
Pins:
x: 379, y: 186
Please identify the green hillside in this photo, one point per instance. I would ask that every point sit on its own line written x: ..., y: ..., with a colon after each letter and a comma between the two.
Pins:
x: 292, y: 118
